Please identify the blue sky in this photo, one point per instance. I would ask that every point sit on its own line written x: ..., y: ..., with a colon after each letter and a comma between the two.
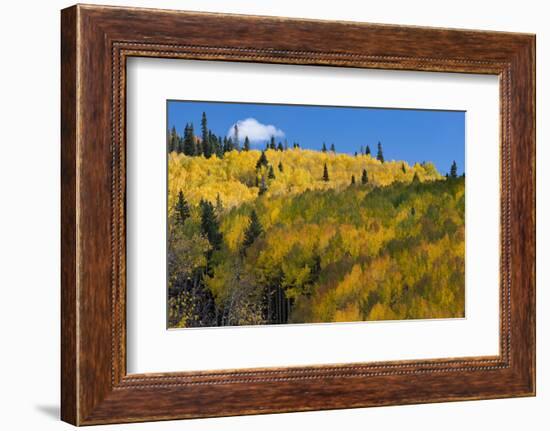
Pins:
x: 411, y: 135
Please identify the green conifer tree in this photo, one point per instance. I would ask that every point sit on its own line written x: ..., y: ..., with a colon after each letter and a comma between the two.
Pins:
x: 262, y: 161
x: 454, y: 168
x: 173, y: 140
x: 253, y: 231
x: 332, y: 148
x: 280, y: 166
x: 246, y: 145
x: 182, y: 209
x: 236, y: 142
x: 226, y: 144
x: 229, y: 146
x: 189, y: 147
x: 403, y: 168
x: 210, y: 226
x: 206, y: 146
x: 213, y: 143
x: 325, y: 173
x: 198, y: 146
x: 380, y: 154
x: 367, y: 151
x: 324, y: 149
x: 271, y: 173
x: 364, y: 177
x: 353, y: 180
x: 280, y: 147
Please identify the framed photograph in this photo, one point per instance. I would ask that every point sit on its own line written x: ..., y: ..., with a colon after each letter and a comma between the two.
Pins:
x: 267, y: 215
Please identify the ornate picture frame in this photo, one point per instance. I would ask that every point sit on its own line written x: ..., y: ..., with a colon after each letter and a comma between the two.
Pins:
x: 96, y: 42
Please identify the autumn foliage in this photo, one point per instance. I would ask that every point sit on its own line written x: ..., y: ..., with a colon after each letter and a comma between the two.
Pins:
x: 286, y: 236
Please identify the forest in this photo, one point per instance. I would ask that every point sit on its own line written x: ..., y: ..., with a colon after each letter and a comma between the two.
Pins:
x: 284, y: 234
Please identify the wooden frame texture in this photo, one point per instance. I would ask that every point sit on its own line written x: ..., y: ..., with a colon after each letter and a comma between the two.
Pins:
x: 95, y: 43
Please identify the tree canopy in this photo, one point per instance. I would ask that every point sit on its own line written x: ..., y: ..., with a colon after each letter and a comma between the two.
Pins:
x: 290, y: 235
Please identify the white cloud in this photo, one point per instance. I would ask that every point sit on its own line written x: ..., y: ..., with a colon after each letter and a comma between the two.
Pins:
x: 256, y: 131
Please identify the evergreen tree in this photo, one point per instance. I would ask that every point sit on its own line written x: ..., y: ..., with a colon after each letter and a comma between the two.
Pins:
x: 253, y: 231
x: 189, y: 140
x: 173, y: 140
x: 353, y: 180
x: 280, y: 166
x: 236, y: 143
x: 217, y: 146
x: 325, y: 173
x: 246, y: 146
x: 182, y: 209
x: 413, y: 211
x: 364, y: 177
x: 332, y: 148
x: 262, y: 161
x: 367, y: 151
x: 206, y: 146
x: 280, y: 147
x: 178, y: 142
x: 271, y: 173
x: 403, y: 168
x: 213, y: 143
x: 324, y: 149
x: 210, y: 226
x: 454, y: 173
x: 198, y: 146
x: 229, y: 145
x: 272, y: 143
x: 416, y: 178
x: 380, y: 155
x: 225, y: 145
x: 355, y: 154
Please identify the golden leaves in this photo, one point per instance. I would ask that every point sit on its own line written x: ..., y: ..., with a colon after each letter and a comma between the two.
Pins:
x: 390, y: 249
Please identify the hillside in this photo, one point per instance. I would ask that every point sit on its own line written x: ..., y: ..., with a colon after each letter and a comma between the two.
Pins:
x: 288, y: 241
x: 234, y: 176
